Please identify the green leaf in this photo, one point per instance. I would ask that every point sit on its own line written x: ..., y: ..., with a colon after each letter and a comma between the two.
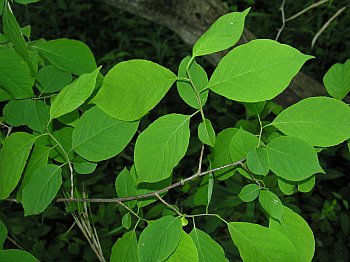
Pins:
x: 103, y: 139
x: 161, y: 146
x: 64, y: 138
x: 206, y: 133
x: 287, y: 187
x: 4, y: 96
x: 208, y: 250
x: 203, y: 191
x: 126, y: 221
x: 13, y: 156
x: 255, y: 108
x: 70, y: 119
x: 298, y: 232
x: 199, y: 79
x: 222, y: 34
x: 249, y: 192
x: 271, y: 204
x: 2, y: 3
x: 241, y: 143
x: 52, y: 79
x: 258, y: 161
x: 73, y: 95
x: 82, y: 166
x: 41, y: 189
x: 256, y: 71
x: 15, y: 77
x: 292, y: 158
x: 221, y: 154
x: 125, y: 249
x: 337, y: 80
x: 185, y: 251
x: 125, y: 186
x: 33, y: 113
x: 68, y: 55
x: 132, y: 88
x: 145, y: 188
x: 159, y: 239
x: 25, y: 2
x: 329, y: 125
x: 16, y: 255
x: 306, y: 185
x: 258, y: 243
x: 3, y: 234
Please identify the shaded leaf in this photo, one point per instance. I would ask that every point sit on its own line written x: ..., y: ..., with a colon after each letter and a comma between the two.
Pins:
x: 249, y: 192
x: 337, y: 80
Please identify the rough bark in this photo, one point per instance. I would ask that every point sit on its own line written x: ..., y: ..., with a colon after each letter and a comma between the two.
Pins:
x: 191, y: 18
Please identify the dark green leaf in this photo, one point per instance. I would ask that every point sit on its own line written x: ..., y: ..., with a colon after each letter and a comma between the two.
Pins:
x: 249, y: 192
x: 258, y: 161
x: 52, y: 79
x: 3, y: 234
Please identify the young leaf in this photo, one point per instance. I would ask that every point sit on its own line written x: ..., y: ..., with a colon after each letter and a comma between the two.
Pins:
x: 68, y: 55
x: 52, y: 79
x: 241, y: 143
x: 82, y: 166
x: 329, y: 125
x: 295, y: 228
x: 98, y: 136
x: 208, y: 250
x: 3, y: 234
x: 337, y: 80
x: 161, y: 146
x: 125, y: 249
x: 159, y: 239
x: 258, y: 161
x: 16, y: 255
x: 41, y: 189
x: 258, y: 243
x: 126, y: 221
x: 73, y: 95
x: 132, y: 88
x: 271, y: 204
x: 307, y: 184
x: 125, y: 186
x: 292, y: 158
x: 15, y: 77
x: 206, y: 133
x: 222, y: 34
x: 256, y: 71
x: 249, y: 192
x: 199, y: 79
x: 185, y: 251
x: 13, y: 156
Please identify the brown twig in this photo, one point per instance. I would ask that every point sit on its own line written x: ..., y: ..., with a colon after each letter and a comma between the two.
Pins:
x: 283, y: 21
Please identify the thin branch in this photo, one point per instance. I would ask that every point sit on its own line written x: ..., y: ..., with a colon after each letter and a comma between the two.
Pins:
x: 200, y: 160
x: 168, y: 205
x: 283, y: 21
x: 306, y: 9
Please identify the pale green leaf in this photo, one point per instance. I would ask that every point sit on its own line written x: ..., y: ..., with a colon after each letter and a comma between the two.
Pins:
x: 82, y: 166
x: 329, y: 125
x: 98, y: 136
x: 132, y: 88
x: 271, y: 204
x: 256, y: 71
x: 208, y: 250
x: 16, y: 255
x: 258, y: 243
x: 258, y: 161
x: 206, y: 133
x: 125, y: 186
x: 52, y: 79
x: 292, y: 158
x: 159, y: 239
x: 222, y: 34
x: 161, y: 146
x: 13, y: 156
x: 337, y: 80
x: 295, y: 228
x: 3, y: 234
x: 41, y: 189
x: 242, y: 143
x: 73, y: 95
x: 185, y: 251
x: 125, y: 249
x: 249, y: 192
x: 307, y: 185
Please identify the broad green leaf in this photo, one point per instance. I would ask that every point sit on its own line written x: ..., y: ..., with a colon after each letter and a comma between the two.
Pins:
x: 222, y: 34
x: 249, y: 192
x: 208, y: 250
x: 15, y: 76
x: 73, y: 95
x: 4, y: 95
x: 13, y: 156
x: 25, y: 2
x: 242, y: 143
x: 221, y: 154
x: 161, y: 146
x: 306, y: 185
x: 287, y: 187
x: 292, y: 158
x: 159, y: 239
x: 185, y: 251
x: 337, y: 80
x: 271, y: 204
x: 33, y: 113
x: 132, y: 88
x: 125, y: 249
x: 16, y: 255
x: 258, y: 243
x: 68, y: 55
x: 125, y: 186
x: 2, y: 3
x: 82, y: 166
x: 3, y: 234
x: 199, y: 79
x: 206, y: 133
x: 98, y: 136
x: 256, y: 71
x: 52, y: 79
x: 295, y: 228
x: 329, y: 125
x: 255, y: 108
x: 258, y: 161
x: 41, y: 189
